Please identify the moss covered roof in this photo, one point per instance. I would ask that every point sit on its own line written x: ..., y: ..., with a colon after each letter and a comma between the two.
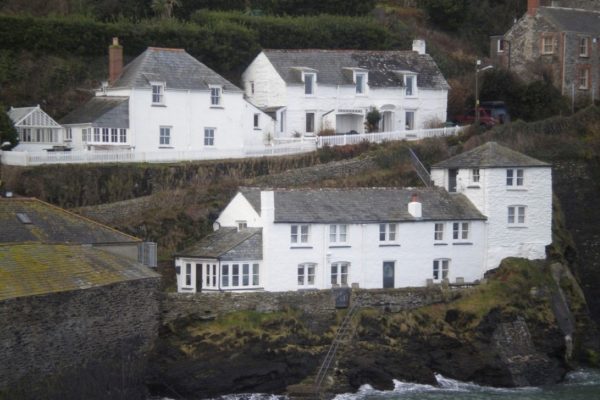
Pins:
x: 46, y: 223
x: 34, y: 269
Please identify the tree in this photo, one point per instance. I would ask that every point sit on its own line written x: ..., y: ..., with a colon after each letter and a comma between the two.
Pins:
x: 373, y: 118
x: 164, y: 8
x: 8, y: 133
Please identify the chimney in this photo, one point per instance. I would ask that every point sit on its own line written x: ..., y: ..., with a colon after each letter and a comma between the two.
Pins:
x: 419, y: 46
x: 415, y: 207
x: 532, y: 6
x: 115, y: 60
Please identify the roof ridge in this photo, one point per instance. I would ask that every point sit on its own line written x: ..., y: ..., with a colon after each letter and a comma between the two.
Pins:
x: 176, y: 49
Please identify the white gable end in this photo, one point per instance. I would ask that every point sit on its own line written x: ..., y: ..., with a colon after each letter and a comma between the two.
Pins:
x: 239, y: 209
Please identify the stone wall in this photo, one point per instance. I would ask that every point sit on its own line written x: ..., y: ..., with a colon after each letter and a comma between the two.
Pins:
x: 316, y: 303
x: 90, y: 343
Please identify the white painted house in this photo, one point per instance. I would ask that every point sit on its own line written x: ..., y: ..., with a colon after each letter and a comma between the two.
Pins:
x: 489, y: 203
x: 166, y: 100
x: 331, y: 91
x: 36, y: 129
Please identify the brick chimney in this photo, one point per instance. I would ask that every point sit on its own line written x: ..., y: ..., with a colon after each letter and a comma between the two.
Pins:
x: 532, y: 6
x: 115, y: 60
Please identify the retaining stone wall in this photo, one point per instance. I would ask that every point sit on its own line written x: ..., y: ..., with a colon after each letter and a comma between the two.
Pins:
x: 78, y: 344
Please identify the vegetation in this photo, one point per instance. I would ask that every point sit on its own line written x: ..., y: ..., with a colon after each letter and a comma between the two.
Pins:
x: 8, y: 133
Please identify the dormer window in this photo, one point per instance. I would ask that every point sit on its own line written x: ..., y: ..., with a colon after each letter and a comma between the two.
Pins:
x: 309, y: 83
x: 361, y: 82
x: 215, y: 96
x: 158, y: 93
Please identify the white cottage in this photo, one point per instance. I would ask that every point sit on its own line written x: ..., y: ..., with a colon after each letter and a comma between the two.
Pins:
x: 37, y: 130
x: 331, y: 91
x: 166, y: 100
x: 489, y: 203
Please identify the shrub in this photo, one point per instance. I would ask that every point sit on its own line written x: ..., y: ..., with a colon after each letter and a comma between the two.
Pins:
x: 8, y: 133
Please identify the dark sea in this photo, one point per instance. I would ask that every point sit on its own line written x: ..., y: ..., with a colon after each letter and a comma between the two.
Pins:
x: 579, y: 385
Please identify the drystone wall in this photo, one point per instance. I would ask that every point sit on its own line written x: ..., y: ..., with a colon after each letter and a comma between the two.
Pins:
x: 89, y: 343
x: 316, y: 303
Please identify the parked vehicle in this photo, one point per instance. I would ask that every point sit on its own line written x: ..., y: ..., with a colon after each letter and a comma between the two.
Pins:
x: 485, y: 118
x: 498, y: 110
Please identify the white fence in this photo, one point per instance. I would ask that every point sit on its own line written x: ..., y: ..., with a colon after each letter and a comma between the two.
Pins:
x: 280, y: 147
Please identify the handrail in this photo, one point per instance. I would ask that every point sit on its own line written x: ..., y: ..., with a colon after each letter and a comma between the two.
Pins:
x: 420, y: 169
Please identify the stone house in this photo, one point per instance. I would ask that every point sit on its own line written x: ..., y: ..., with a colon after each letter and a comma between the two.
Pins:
x: 555, y: 42
x: 331, y: 91
x: 166, y: 101
x: 487, y: 204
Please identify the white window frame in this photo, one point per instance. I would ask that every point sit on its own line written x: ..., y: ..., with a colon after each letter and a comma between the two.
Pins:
x: 164, y: 136
x: 500, y: 46
x: 310, y: 83
x: 68, y: 134
x: 209, y: 137
x: 461, y: 230
x: 340, y: 272
x: 216, y: 96
x: 583, y: 78
x: 441, y: 269
x: 438, y: 231
x: 256, y: 120
x: 299, y: 234
x: 241, y: 225
x: 114, y: 135
x: 410, y: 85
x: 187, y: 276
x: 240, y: 274
x: 312, y: 127
x: 410, y: 127
x: 475, y: 175
x: 360, y: 80
x: 158, y: 93
x: 516, y: 215
x: 547, y: 44
x: 122, y: 135
x: 515, y: 177
x: 105, y: 135
x: 338, y: 233
x: 306, y: 273
x: 584, y: 46
x: 388, y: 232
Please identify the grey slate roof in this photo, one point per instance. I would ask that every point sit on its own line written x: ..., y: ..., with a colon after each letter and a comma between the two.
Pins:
x: 490, y: 155
x: 365, y: 205
x: 333, y: 66
x: 228, y: 244
x: 572, y: 20
x: 102, y: 112
x: 17, y: 114
x: 50, y: 224
x: 175, y: 67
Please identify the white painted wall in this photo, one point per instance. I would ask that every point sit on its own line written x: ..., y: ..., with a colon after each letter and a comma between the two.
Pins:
x: 239, y: 209
x: 269, y: 87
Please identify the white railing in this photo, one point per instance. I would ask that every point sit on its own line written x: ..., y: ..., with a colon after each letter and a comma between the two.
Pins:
x: 378, y: 137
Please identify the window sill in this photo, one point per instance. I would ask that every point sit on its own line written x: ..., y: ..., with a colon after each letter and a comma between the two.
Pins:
x: 389, y: 245
x: 473, y: 187
x: 217, y: 107
x: 229, y: 288
x: 300, y: 247
x: 340, y: 246
x: 462, y: 244
x: 166, y: 147
x: 517, y: 227
x: 440, y: 244
x: 159, y: 105
x: 517, y: 189
x: 257, y: 129
x: 187, y: 288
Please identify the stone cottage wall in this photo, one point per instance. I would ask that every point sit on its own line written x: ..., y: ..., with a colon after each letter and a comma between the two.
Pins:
x: 80, y: 344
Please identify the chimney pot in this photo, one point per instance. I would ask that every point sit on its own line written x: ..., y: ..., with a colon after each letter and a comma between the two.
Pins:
x: 115, y: 60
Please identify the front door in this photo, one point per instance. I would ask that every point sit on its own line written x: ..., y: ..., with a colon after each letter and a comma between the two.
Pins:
x: 452, y: 180
x: 388, y: 274
x: 198, y: 278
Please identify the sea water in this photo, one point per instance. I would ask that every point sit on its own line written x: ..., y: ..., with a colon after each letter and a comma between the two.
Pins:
x: 578, y: 385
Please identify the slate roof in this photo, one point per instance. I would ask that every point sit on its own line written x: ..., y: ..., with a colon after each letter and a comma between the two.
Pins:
x: 228, y: 244
x: 365, y: 205
x: 334, y: 67
x: 17, y: 114
x: 490, y: 155
x: 50, y: 224
x: 31, y: 117
x: 572, y: 20
x: 102, y: 112
x: 34, y: 269
x: 175, y: 67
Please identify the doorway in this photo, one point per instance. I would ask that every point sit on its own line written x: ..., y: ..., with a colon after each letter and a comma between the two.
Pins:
x: 198, y: 278
x: 452, y: 173
x: 388, y: 274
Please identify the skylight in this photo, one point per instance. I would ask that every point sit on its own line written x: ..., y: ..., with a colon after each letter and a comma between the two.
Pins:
x: 24, y: 218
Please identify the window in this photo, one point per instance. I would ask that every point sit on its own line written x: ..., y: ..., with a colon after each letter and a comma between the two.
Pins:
x: 460, y: 230
x: 188, y: 274
x: 339, y: 273
x: 306, y: 274
x: 500, y: 48
x: 69, y: 134
x: 516, y: 215
x: 410, y: 120
x: 114, y: 135
x: 241, y: 225
x: 165, y: 136
x: 299, y: 234
x: 209, y: 136
x: 309, y: 83
x: 514, y: 177
x: 409, y: 82
x: 361, y: 83
x: 583, y: 78
x: 96, y: 134
x: 584, y: 47
x: 338, y: 233
x: 255, y: 275
x: 239, y: 275
x: 475, y: 175
x: 387, y: 232
x: 282, y: 121
x: 123, y: 135
x: 225, y: 275
x: 158, y: 94
x: 209, y: 275
x: 440, y: 269
x: 84, y: 135
x: 256, y: 121
x: 215, y: 96
x: 438, y: 231
x: 547, y: 45
x: 251, y: 87
x: 104, y: 135
x: 310, y: 122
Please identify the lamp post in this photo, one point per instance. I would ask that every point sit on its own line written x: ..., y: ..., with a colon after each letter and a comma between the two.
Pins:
x: 478, y: 69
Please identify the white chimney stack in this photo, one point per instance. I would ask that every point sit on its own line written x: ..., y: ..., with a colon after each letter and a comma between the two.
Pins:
x: 415, y: 208
x: 419, y: 46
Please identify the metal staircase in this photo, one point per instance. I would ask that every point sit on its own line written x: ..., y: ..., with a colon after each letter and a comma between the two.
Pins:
x: 420, y: 168
x: 344, y: 333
